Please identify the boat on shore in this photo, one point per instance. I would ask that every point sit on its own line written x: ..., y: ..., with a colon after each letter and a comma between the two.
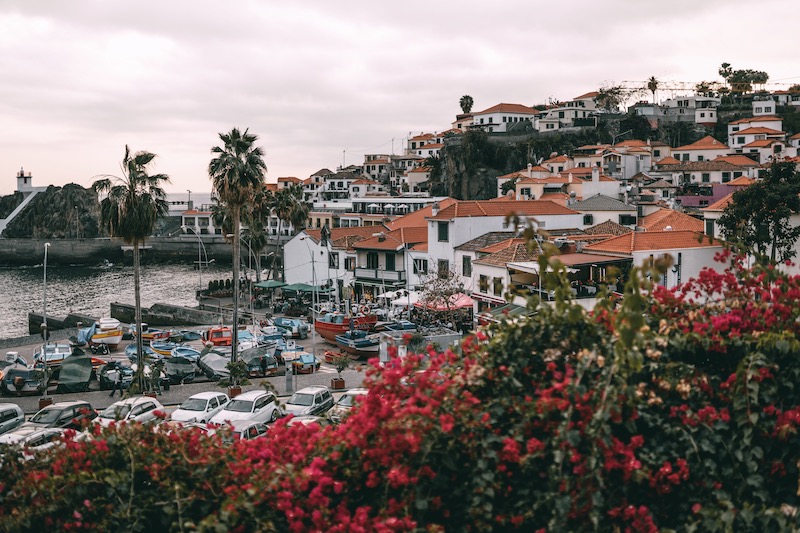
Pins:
x: 360, y: 344
x: 106, y: 331
x: 329, y: 325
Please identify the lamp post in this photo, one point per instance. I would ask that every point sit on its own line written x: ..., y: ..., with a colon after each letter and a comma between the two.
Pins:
x: 44, y: 298
x: 314, y: 293
x: 200, y: 246
x: 77, y: 224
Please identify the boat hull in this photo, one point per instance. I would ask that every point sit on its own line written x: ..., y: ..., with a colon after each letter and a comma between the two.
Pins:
x: 359, y: 348
x: 328, y: 330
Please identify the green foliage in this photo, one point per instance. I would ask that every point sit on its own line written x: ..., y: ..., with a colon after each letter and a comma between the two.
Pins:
x: 238, y: 374
x: 58, y: 212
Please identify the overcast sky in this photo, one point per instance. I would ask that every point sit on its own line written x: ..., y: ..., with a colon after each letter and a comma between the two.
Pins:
x: 325, y: 81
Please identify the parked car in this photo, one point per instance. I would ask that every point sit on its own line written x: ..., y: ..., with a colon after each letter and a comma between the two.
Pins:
x: 346, y: 403
x: 297, y: 328
x: 310, y: 401
x: 244, y: 430
x: 33, y: 439
x: 136, y: 409
x: 309, y: 419
x: 66, y: 415
x: 200, y: 407
x: 257, y: 405
x: 11, y: 417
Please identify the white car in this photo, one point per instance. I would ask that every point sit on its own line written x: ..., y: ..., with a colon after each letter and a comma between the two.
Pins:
x: 244, y: 430
x: 256, y: 405
x: 137, y: 409
x: 346, y: 402
x: 33, y: 439
x: 11, y: 416
x: 310, y: 401
x: 200, y: 407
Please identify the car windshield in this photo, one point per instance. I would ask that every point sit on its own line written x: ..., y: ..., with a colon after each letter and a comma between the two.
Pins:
x: 194, y: 404
x: 302, y: 399
x: 240, y: 406
x: 115, y: 412
x: 46, y: 416
x: 348, y: 400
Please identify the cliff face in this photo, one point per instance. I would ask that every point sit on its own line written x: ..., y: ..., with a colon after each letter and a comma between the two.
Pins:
x: 64, y: 212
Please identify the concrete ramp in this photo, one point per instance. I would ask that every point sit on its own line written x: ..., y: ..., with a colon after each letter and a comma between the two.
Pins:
x: 4, y: 222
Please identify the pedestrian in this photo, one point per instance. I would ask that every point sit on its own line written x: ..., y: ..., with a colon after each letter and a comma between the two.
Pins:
x: 155, y: 376
x: 115, y: 374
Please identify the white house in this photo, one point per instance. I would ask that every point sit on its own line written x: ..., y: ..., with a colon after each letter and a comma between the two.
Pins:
x: 600, y: 208
x: 467, y: 253
x: 705, y: 149
x: 499, y: 117
x: 771, y: 122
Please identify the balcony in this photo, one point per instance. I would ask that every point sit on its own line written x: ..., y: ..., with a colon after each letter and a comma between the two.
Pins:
x: 380, y: 275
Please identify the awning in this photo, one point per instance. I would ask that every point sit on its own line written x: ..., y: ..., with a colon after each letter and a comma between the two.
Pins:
x: 456, y: 301
x: 270, y: 284
x: 403, y: 301
x: 373, y: 206
x: 305, y: 287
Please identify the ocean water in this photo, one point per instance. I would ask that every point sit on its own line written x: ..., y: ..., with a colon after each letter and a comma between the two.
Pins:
x: 91, y: 290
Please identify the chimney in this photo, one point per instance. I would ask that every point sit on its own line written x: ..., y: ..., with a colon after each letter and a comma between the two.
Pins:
x: 530, y: 172
x: 435, y: 209
x: 570, y: 177
x: 595, y: 174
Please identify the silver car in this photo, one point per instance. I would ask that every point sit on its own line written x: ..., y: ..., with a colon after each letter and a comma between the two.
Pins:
x: 346, y: 403
x: 257, y: 405
x: 11, y: 417
x: 137, y: 409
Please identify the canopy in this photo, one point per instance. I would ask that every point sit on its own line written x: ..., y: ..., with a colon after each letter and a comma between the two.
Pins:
x: 403, y: 301
x: 456, y: 301
x: 75, y: 374
x: 270, y: 284
x: 179, y: 370
x: 305, y: 287
x: 215, y: 366
x: 373, y: 206
x: 393, y: 295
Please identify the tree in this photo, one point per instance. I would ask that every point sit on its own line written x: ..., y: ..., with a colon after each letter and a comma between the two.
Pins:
x: 759, y: 215
x: 609, y: 98
x: 725, y: 71
x: 438, y: 290
x: 466, y: 103
x: 256, y: 217
x: 237, y: 173
x: 652, y: 86
x: 289, y: 207
x: 133, y: 204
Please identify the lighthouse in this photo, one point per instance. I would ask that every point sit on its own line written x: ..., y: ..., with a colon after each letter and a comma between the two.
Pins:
x: 24, y: 181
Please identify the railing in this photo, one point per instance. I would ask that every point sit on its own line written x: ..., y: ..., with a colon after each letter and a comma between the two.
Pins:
x: 377, y: 274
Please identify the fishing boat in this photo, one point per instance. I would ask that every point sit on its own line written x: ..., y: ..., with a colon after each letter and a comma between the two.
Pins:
x: 105, y: 331
x: 52, y: 354
x: 149, y: 334
x: 163, y: 347
x: 358, y: 343
x: 218, y: 335
x: 329, y: 325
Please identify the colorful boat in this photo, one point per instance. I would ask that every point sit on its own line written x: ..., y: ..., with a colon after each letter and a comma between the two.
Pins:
x: 107, y: 331
x: 149, y: 334
x: 358, y: 343
x: 329, y: 325
x: 218, y: 335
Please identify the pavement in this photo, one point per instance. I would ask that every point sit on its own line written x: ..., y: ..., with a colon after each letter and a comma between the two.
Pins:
x: 178, y: 393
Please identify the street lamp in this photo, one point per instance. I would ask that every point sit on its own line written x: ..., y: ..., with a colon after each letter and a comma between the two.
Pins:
x: 314, y: 293
x: 199, y: 257
x: 77, y: 224
x: 44, y: 296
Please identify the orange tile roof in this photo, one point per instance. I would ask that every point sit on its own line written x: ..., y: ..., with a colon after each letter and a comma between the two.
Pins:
x: 422, y: 137
x: 557, y: 159
x: 706, y: 143
x: 483, y: 208
x: 742, y: 181
x: 738, y: 160
x: 720, y: 204
x: 395, y: 239
x: 509, y: 108
x: 669, y: 160
x: 196, y: 212
x: 420, y: 169
x: 590, y: 94
x: 502, y: 245
x: 417, y: 218
x: 765, y: 118
x: 644, y: 241
x: 795, y: 136
x: 515, y: 253
x: 664, y: 218
x: 609, y: 227
x: 271, y: 187
x: 345, y: 238
x: 755, y: 130
x: 762, y: 143
x: 364, y: 181
x: 289, y: 179
x: 632, y: 143
x: 558, y: 197
x: 430, y: 145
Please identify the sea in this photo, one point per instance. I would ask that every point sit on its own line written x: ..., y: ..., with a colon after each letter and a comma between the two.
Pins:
x: 90, y: 290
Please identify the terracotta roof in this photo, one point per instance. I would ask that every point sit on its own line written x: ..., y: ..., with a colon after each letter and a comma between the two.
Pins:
x: 661, y: 184
x: 558, y: 197
x: 765, y: 118
x: 485, y: 240
x: 430, y: 145
x: 557, y: 159
x: 345, y: 238
x: 761, y: 143
x: 742, y: 181
x: 482, y: 208
x: 608, y: 227
x: 706, y: 143
x: 196, y: 212
x: 756, y: 130
x: 643, y: 241
x: 601, y: 202
x: 590, y: 94
x: 738, y: 160
x: 664, y: 218
x: 576, y: 259
x: 422, y: 137
x: 669, y: 160
x: 795, y: 136
x: 720, y: 204
x: 417, y: 218
x: 395, y: 239
x: 514, y: 251
x: 420, y: 169
x: 289, y: 179
x: 713, y: 165
x: 632, y: 143
x: 509, y: 108
x: 502, y: 245
x: 364, y: 181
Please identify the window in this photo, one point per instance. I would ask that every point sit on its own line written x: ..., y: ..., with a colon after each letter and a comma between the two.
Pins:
x: 758, y: 110
x: 444, y: 231
x: 627, y: 220
x: 685, y: 157
x: 657, y: 153
x: 497, y: 286
x: 768, y: 110
x: 390, y: 261
x: 443, y: 268
x: 333, y: 260
x: 734, y: 129
x: 420, y: 266
x: 739, y: 140
x: 560, y: 114
x: 491, y: 119
x: 350, y: 263
x: 372, y: 259
x: 702, y: 115
x: 703, y: 203
x: 726, y: 177
x: 705, y: 177
x: 483, y: 283
x: 737, y: 174
x: 700, y: 158
x: 710, y: 228
x: 588, y: 220
x: 466, y: 265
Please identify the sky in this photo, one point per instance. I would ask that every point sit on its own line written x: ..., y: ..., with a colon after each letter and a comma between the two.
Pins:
x: 322, y: 83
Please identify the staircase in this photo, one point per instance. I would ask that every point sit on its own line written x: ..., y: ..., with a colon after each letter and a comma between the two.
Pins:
x: 4, y: 222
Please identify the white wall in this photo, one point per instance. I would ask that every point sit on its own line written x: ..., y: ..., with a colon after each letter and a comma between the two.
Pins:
x: 692, y: 261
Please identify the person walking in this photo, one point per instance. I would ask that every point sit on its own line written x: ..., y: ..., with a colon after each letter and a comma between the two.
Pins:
x: 115, y: 374
x: 155, y: 376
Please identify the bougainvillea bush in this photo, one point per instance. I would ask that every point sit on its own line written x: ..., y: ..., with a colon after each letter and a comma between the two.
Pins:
x: 669, y: 410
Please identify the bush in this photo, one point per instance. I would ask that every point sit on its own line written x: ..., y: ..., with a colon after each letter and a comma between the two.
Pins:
x: 676, y: 410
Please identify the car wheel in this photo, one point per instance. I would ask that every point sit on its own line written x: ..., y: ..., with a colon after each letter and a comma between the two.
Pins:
x: 274, y: 415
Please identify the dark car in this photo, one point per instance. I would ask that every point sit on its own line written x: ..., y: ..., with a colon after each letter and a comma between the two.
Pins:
x: 66, y: 415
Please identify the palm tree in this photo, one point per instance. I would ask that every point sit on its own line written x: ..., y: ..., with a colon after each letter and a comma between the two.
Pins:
x: 289, y: 207
x: 237, y: 172
x: 133, y: 204
x: 256, y: 215
x: 466, y: 103
x: 652, y: 85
